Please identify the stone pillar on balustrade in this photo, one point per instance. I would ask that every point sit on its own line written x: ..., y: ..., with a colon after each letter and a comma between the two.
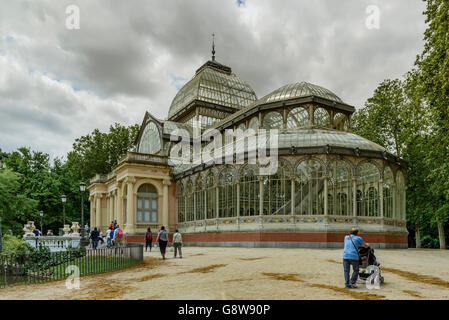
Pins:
x: 130, y: 227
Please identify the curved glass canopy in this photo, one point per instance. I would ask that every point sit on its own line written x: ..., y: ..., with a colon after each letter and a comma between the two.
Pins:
x: 215, y: 86
x: 298, y: 90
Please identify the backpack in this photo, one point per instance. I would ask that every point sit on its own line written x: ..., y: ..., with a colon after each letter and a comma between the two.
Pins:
x: 149, y: 236
x: 119, y: 233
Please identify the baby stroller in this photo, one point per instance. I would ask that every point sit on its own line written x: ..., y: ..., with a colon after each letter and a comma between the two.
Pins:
x: 368, y: 264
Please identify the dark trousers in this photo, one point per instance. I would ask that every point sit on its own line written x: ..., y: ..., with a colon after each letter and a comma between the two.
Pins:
x: 94, y: 243
x: 162, y: 246
x: 148, y: 244
x: 347, y: 269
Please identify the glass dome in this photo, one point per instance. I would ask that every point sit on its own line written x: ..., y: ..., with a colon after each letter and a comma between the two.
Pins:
x: 298, y: 90
x: 216, y: 84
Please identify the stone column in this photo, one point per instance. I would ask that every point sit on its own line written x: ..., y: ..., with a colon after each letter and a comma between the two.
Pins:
x: 293, y: 180
x: 130, y: 227
x: 98, y: 210
x: 326, y: 180
x: 238, y: 205
x: 354, y: 197
x: 118, y: 206
x: 393, y: 195
x: 108, y: 207
x: 92, y: 200
x: 165, y: 205
x: 381, y: 199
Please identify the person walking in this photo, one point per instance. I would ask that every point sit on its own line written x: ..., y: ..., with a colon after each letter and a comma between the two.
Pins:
x: 109, y: 237
x: 94, y: 236
x: 118, y: 236
x: 162, y: 238
x: 148, y: 239
x: 351, y: 257
x: 177, y: 243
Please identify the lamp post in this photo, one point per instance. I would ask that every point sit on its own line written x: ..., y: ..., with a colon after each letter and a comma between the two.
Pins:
x: 42, y: 228
x: 82, y: 189
x: 64, y: 200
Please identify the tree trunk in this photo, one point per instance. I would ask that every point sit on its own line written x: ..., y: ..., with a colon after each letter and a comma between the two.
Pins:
x: 441, y: 234
x: 417, y: 237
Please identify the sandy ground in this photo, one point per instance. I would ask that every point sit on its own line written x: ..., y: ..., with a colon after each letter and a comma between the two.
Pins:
x: 241, y: 273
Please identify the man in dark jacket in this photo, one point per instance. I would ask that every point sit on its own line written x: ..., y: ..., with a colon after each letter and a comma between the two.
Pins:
x: 94, y: 236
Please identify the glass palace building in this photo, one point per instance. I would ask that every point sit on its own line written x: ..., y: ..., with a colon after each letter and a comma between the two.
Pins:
x: 328, y: 179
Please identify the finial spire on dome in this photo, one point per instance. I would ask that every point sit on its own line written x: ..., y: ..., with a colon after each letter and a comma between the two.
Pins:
x: 213, y: 46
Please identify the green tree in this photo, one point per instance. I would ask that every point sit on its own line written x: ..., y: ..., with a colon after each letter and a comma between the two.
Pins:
x: 433, y: 73
x: 99, y: 152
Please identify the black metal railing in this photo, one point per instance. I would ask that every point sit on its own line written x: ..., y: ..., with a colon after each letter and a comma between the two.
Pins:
x: 49, y: 266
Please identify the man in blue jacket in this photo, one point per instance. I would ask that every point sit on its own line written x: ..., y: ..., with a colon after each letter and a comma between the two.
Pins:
x: 351, y: 257
x: 95, y: 236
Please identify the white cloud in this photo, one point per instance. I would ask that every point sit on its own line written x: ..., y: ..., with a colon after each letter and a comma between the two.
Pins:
x: 58, y: 84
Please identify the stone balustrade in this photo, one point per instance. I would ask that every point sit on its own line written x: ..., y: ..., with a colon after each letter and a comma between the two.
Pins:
x: 54, y: 243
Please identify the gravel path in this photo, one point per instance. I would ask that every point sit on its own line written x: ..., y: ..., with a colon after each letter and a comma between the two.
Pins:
x: 241, y: 273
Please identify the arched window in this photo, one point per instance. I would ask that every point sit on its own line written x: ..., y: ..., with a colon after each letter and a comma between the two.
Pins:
x: 277, y: 192
x: 180, y: 201
x: 321, y: 118
x: 199, y: 199
x: 211, y: 203
x: 368, y: 178
x: 227, y: 193
x: 242, y: 126
x: 388, y: 192
x: 340, y: 189
x: 189, y: 201
x: 254, y: 123
x: 150, y: 142
x: 249, y: 191
x: 298, y: 118
x: 309, y: 188
x: 400, y: 196
x: 273, y: 120
x: 147, y: 204
x: 341, y: 122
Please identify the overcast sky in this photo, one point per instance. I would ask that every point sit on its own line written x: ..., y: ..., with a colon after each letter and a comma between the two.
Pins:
x: 57, y: 84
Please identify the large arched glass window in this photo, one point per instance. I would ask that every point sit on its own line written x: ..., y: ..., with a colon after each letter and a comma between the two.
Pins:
x: 180, y: 202
x: 189, y: 201
x: 147, y: 204
x: 340, y: 189
x: 388, y: 192
x: 254, y: 123
x: 199, y: 199
x: 249, y: 191
x: 400, y: 196
x: 277, y: 192
x: 211, y: 203
x: 227, y: 193
x: 309, y: 188
x: 150, y: 142
x: 298, y: 118
x: 368, y: 178
x: 321, y: 118
x: 273, y: 120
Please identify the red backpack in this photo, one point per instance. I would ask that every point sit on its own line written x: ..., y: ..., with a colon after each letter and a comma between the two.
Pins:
x: 149, y: 236
x: 119, y: 233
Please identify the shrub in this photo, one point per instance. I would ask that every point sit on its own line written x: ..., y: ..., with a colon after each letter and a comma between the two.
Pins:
x: 14, y: 245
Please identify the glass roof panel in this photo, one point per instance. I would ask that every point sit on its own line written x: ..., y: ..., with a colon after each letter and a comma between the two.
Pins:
x: 300, y: 89
x: 214, y: 86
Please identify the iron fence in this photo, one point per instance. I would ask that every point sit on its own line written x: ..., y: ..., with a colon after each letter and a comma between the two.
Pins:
x: 49, y: 266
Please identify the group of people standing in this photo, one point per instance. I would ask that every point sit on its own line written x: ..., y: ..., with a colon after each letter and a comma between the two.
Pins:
x: 162, y: 239
x: 114, y: 236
